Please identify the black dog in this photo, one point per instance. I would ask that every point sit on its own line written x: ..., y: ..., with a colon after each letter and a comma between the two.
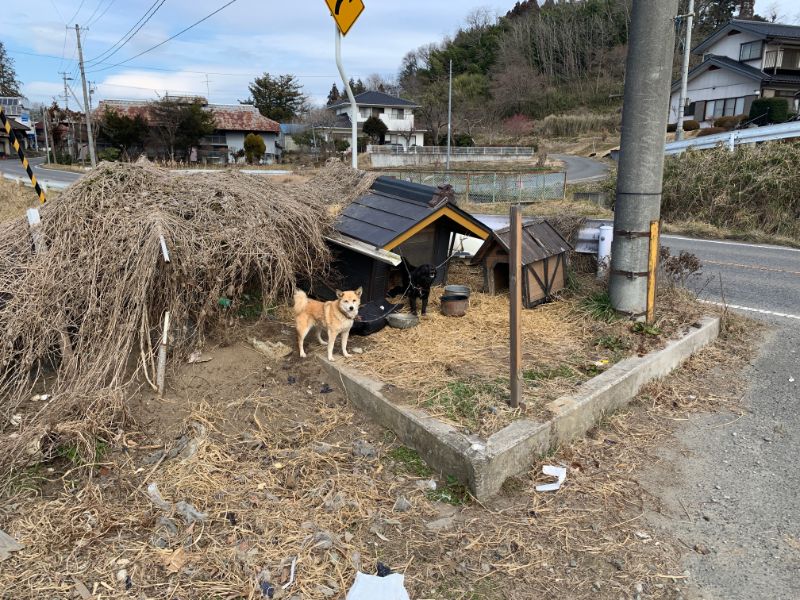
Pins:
x: 417, y: 283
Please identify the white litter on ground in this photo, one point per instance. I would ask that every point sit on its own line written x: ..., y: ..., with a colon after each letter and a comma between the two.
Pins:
x: 559, y: 472
x: 372, y: 587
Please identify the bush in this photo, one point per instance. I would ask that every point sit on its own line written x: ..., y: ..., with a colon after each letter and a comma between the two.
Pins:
x: 769, y: 110
x: 463, y: 140
x: 726, y: 122
x: 254, y: 147
x: 711, y: 131
x: 572, y: 125
x: 691, y: 125
x: 109, y: 154
x: 341, y: 145
x: 672, y: 127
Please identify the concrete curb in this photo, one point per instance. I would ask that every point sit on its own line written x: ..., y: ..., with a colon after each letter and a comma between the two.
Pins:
x: 484, y: 465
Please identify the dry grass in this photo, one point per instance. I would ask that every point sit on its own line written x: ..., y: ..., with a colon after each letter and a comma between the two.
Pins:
x: 15, y: 199
x: 457, y: 369
x: 753, y: 189
x: 545, y: 208
x: 275, y: 474
x: 83, y: 319
x: 570, y: 126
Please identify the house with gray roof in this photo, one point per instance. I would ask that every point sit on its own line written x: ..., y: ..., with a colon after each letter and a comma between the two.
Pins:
x: 742, y: 60
x: 397, y: 113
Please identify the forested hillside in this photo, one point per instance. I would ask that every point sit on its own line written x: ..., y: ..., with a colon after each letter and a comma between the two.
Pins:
x: 537, y: 60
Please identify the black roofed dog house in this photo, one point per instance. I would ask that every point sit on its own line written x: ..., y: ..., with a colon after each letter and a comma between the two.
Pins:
x: 544, y: 262
x: 397, y: 219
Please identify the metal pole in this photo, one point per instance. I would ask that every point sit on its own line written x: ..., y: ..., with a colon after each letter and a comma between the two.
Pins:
x: 685, y: 70
x: 515, y: 300
x: 652, y: 269
x: 89, y: 132
x: 641, y: 161
x: 449, y: 115
x: 350, y: 96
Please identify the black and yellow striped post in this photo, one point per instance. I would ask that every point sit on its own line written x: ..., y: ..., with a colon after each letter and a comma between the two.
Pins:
x: 15, y: 142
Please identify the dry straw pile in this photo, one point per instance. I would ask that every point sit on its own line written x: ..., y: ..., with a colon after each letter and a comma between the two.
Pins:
x: 81, y: 320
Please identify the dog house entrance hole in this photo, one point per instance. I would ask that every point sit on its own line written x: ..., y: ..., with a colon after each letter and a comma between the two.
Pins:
x: 501, y: 278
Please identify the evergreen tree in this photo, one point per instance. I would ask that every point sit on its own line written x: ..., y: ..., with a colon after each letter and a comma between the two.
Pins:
x: 334, y: 95
x: 278, y: 98
x: 9, y: 84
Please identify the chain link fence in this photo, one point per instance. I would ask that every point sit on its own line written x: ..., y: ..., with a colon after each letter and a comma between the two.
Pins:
x: 488, y: 187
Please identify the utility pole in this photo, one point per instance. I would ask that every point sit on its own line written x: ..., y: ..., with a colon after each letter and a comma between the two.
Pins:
x: 449, y: 115
x: 70, y: 142
x: 88, y: 112
x: 641, y: 161
x: 45, y: 117
x: 685, y: 70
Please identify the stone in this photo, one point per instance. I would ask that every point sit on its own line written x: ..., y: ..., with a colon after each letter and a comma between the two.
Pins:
x: 364, y: 449
x: 442, y: 524
x: 402, y: 505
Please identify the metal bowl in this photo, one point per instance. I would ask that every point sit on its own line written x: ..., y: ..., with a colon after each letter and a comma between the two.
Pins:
x: 402, y: 320
x: 456, y: 290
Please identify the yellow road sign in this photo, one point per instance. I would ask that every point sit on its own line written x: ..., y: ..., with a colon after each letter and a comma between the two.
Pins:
x: 345, y: 12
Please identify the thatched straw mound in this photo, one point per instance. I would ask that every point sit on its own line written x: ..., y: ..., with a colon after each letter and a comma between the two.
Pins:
x: 85, y: 315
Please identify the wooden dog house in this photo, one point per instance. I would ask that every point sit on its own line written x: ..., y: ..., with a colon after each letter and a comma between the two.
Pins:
x: 544, y: 262
x: 397, y: 219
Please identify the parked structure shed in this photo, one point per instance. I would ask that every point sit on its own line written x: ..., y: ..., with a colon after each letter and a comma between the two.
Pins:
x: 397, y: 219
x: 544, y: 262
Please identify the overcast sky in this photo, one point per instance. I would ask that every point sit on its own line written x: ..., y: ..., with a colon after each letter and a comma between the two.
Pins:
x: 220, y: 56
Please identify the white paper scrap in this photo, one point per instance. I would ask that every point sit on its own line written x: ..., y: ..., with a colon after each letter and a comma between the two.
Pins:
x: 372, y: 587
x: 559, y: 472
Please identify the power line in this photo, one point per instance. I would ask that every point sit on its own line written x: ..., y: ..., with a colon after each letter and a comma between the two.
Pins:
x: 162, y: 69
x: 102, y: 14
x: 128, y: 35
x: 169, y: 39
x: 58, y: 12
x: 72, y: 18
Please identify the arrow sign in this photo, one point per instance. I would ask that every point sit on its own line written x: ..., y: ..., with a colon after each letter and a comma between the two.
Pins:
x: 345, y: 12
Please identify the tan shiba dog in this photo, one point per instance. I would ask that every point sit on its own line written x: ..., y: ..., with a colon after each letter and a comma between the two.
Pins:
x: 336, y: 317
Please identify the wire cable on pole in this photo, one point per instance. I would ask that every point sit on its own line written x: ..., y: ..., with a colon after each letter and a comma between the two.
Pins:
x: 169, y: 39
x: 131, y: 33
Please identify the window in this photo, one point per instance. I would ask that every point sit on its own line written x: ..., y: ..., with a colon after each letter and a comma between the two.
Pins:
x: 750, y: 50
x: 739, y: 109
x: 688, y: 110
x: 730, y: 105
x: 709, y: 110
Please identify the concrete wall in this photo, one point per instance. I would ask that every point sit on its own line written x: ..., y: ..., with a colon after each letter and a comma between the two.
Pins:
x: 382, y: 161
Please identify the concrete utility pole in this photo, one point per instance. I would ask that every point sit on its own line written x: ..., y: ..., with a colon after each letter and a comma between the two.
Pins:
x: 641, y: 161
x: 449, y: 115
x: 45, y: 117
x: 87, y: 111
x: 687, y: 51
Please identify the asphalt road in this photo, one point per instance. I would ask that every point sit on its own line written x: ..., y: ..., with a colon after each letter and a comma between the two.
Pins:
x: 730, y: 483
x: 581, y: 169
x: 46, y: 176
x: 763, y: 280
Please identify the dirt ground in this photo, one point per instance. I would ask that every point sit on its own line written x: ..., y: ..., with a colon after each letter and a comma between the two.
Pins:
x: 282, y: 469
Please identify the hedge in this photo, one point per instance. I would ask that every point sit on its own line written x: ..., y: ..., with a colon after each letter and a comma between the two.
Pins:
x: 764, y: 111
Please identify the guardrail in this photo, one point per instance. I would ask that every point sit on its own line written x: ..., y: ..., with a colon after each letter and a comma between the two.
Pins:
x: 459, y: 151
x: 731, y: 139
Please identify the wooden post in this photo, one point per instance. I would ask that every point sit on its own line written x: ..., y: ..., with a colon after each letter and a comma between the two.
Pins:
x: 515, y: 300
x: 162, y: 356
x: 652, y: 269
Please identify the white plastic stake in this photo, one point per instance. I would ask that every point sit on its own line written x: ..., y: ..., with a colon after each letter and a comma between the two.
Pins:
x: 164, y: 250
x: 34, y: 222
x: 162, y: 356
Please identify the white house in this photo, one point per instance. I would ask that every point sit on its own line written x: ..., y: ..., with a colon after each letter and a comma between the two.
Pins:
x: 742, y: 60
x: 232, y: 121
x: 396, y: 113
